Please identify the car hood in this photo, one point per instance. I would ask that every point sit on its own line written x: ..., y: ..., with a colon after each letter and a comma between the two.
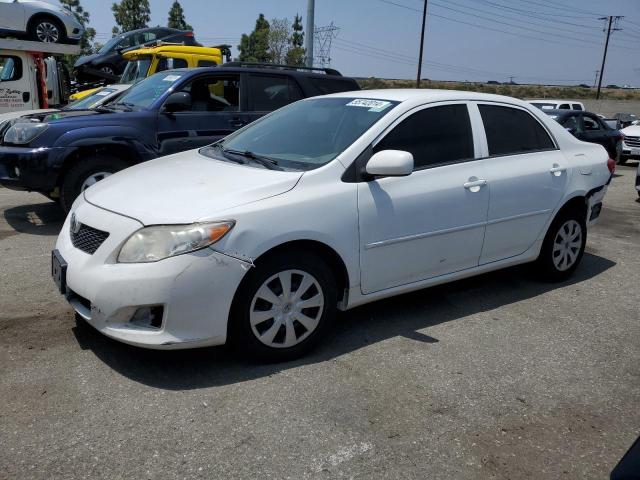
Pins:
x: 185, y: 188
x: 632, y: 131
x: 83, y: 60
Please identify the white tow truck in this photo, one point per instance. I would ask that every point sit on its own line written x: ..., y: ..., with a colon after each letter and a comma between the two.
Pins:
x: 31, y: 75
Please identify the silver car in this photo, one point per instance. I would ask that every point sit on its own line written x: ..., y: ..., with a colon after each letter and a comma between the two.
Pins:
x: 40, y: 21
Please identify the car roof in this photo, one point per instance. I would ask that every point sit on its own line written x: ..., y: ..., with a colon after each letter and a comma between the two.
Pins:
x: 265, y: 71
x: 185, y: 49
x: 553, y: 100
x: 427, y: 95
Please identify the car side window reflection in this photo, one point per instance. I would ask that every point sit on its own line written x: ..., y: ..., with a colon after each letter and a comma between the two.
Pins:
x: 215, y: 94
x: 434, y: 136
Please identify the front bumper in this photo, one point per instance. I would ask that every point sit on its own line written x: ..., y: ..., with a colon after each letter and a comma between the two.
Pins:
x: 34, y: 169
x: 194, y: 290
x: 631, y: 151
x: 73, y: 29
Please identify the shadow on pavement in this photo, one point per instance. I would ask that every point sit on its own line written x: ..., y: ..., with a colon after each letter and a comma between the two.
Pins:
x: 37, y: 219
x: 400, y: 316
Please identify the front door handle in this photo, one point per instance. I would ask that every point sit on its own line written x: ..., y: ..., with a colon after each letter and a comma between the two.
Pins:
x: 474, y: 184
x: 557, y: 170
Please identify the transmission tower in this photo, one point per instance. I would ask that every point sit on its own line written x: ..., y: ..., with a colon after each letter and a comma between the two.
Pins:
x: 322, y: 39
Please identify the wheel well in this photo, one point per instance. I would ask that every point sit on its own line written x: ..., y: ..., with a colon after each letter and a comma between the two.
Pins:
x: 578, y: 204
x: 328, y: 254
x: 47, y: 16
x: 124, y: 153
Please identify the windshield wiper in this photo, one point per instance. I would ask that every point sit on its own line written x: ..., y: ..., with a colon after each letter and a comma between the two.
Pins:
x: 128, y: 107
x: 266, y: 162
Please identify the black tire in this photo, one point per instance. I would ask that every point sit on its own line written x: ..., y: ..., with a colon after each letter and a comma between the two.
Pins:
x: 71, y: 185
x: 621, y: 160
x: 546, y: 266
x: 241, y: 333
x: 44, y: 21
x: 105, y: 67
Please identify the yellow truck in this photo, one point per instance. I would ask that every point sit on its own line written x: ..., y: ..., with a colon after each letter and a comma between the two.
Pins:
x: 144, y: 62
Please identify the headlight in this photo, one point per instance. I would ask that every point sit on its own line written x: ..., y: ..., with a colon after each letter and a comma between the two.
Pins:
x: 151, y: 244
x: 21, y: 133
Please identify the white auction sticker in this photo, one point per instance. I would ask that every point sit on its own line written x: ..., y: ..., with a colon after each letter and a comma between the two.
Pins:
x: 103, y: 93
x: 372, y: 105
x: 171, y: 78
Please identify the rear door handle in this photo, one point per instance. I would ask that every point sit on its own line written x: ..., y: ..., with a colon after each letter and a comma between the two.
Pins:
x: 474, y: 185
x: 557, y: 169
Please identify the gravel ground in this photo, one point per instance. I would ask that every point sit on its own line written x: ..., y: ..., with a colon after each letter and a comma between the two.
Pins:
x: 494, y: 377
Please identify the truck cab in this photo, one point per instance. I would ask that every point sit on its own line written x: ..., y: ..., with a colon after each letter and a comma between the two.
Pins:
x: 144, y: 62
x: 31, y: 77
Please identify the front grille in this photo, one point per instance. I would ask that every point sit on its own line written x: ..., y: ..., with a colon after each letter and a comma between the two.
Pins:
x: 87, y: 239
x: 632, y: 141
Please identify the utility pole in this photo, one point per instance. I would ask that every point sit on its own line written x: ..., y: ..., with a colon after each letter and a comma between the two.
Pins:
x: 610, y: 19
x: 308, y: 38
x: 424, y: 22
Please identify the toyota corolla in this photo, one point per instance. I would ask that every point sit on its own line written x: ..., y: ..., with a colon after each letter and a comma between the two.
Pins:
x: 326, y: 204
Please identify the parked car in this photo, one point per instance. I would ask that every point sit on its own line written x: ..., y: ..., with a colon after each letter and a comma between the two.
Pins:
x: 550, y: 104
x: 169, y: 112
x: 626, y: 119
x: 631, y: 142
x: 326, y: 204
x: 588, y: 127
x: 40, y: 21
x: 109, y: 58
x: 144, y: 62
x: 96, y: 99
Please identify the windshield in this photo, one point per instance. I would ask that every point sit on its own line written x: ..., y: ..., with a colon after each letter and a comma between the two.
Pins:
x: 93, y: 100
x: 309, y: 133
x: 136, y: 70
x: 144, y: 93
x: 107, y: 46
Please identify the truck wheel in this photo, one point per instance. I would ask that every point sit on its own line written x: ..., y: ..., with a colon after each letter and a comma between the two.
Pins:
x: 47, y: 30
x: 86, y: 173
x: 107, y: 69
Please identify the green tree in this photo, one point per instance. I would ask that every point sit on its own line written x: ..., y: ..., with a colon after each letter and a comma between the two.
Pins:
x: 296, y: 53
x: 255, y: 46
x: 279, y: 33
x: 82, y: 16
x: 131, y: 14
x: 176, y: 17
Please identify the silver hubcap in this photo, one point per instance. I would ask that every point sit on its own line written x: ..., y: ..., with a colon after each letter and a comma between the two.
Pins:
x: 93, y: 179
x: 47, y: 32
x: 566, y: 245
x: 286, y: 309
x: 107, y: 70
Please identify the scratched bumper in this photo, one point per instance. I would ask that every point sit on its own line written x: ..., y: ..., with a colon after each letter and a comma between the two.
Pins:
x: 195, y: 290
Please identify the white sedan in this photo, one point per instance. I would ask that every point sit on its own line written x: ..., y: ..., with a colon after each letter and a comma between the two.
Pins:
x: 326, y: 204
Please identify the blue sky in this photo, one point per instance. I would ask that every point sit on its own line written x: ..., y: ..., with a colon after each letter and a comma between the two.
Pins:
x: 550, y: 41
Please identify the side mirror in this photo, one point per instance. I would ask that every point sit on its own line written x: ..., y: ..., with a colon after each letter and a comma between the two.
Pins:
x: 177, y: 102
x: 390, y: 163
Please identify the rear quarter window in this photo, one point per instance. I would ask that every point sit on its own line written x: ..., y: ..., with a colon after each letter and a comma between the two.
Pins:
x: 511, y: 131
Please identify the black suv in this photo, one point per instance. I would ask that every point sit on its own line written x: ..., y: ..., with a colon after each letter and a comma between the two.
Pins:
x: 63, y: 153
x: 109, y: 59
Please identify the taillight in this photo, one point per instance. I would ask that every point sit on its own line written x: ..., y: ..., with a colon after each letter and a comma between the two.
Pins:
x: 611, y: 165
x: 188, y: 34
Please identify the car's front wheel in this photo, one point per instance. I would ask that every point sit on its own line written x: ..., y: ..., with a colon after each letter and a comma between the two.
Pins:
x: 46, y: 30
x: 86, y: 173
x: 283, y: 306
x: 563, y: 246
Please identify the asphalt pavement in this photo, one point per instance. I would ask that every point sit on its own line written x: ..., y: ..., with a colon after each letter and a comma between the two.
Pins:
x: 500, y: 376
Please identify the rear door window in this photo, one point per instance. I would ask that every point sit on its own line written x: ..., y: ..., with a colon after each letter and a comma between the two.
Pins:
x: 10, y: 68
x: 167, y: 63
x: 564, y: 106
x: 511, y: 131
x: 576, y: 106
x: 434, y: 136
x: 268, y: 93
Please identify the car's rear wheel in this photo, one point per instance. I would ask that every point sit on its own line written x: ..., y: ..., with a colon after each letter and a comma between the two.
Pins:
x: 87, y: 173
x: 108, y: 69
x: 47, y: 30
x: 563, y: 246
x: 283, y: 307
